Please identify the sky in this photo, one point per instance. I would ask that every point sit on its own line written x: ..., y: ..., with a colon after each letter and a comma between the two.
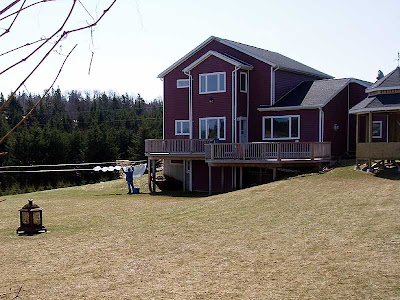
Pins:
x: 138, y: 39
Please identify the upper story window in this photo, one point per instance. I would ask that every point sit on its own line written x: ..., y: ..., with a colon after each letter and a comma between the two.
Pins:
x: 211, y: 128
x: 182, y: 83
x: 281, y: 127
x: 377, y: 129
x: 243, y: 82
x: 212, y: 83
x: 182, y: 127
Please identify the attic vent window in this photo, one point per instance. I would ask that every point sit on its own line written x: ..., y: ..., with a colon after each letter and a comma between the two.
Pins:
x: 182, y: 83
x: 212, y: 83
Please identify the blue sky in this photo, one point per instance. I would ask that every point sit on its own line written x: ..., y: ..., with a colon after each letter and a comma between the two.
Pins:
x: 139, y: 39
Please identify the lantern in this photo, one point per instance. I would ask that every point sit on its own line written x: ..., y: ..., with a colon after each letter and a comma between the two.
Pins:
x: 31, y: 219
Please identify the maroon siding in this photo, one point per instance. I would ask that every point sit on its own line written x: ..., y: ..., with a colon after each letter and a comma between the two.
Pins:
x: 200, y: 177
x: 309, y: 120
x: 357, y: 94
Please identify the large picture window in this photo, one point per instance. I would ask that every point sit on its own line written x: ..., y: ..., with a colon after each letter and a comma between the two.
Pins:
x: 281, y: 127
x: 182, y: 127
x: 212, y: 83
x: 211, y: 128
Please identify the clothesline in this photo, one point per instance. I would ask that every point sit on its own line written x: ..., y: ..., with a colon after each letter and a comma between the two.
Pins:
x: 64, y: 165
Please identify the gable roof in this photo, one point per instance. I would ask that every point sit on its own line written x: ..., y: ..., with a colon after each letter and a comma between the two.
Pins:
x: 389, y: 82
x: 272, y: 58
x: 275, y: 59
x: 377, y: 103
x: 228, y: 59
x: 312, y: 94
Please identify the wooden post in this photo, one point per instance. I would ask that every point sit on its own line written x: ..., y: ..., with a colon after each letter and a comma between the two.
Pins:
x: 260, y: 176
x: 241, y: 178
x: 154, y: 176
x: 273, y: 174
x: 357, y: 121
x: 209, y: 181
x: 279, y: 152
x: 184, y: 175
x: 222, y: 179
x: 149, y: 173
x: 312, y: 151
x: 370, y: 127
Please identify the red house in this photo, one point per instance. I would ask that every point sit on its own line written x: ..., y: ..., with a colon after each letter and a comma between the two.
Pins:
x: 233, y: 113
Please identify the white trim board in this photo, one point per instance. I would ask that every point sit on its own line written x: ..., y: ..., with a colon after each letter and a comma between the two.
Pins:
x: 367, y: 110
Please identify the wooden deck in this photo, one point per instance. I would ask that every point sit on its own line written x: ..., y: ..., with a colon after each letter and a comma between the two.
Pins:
x: 244, y: 154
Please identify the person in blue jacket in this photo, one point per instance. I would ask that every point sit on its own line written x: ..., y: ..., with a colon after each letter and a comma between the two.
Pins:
x: 129, y: 178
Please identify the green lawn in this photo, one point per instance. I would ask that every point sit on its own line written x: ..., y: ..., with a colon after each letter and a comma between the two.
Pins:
x: 329, y: 236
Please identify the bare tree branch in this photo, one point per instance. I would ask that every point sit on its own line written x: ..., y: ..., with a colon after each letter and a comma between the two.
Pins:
x: 64, y: 35
x: 9, y: 6
x: 26, y: 45
x: 40, y: 100
x: 15, y: 18
x: 26, y: 7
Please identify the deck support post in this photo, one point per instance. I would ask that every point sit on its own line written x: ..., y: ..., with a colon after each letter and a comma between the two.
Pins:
x: 260, y: 176
x: 154, y: 176
x: 273, y: 174
x: 184, y: 175
x: 149, y: 173
x: 209, y: 181
x: 222, y: 179
x: 241, y: 178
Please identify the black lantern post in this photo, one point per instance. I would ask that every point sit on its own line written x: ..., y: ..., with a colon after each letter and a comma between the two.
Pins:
x: 31, y: 219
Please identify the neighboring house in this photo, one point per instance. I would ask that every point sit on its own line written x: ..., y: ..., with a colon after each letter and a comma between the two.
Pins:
x: 378, y: 120
x: 262, y: 110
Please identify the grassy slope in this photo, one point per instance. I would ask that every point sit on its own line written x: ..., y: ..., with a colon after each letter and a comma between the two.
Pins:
x: 331, y: 236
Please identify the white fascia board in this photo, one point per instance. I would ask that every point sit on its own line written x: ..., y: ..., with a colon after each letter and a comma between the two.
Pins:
x: 367, y: 110
x: 382, y: 89
x: 170, y: 68
x: 326, y: 76
x: 220, y: 56
x: 262, y: 109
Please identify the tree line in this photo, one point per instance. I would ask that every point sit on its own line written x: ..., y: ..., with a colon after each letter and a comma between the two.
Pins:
x: 74, y: 127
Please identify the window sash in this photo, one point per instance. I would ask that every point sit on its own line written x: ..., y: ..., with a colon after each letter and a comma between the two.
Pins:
x: 271, y: 123
x: 212, y: 83
x: 376, y: 126
x: 182, y: 127
x: 216, y: 125
x: 243, y: 82
x: 182, y: 83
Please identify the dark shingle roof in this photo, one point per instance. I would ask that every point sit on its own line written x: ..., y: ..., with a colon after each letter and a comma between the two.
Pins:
x: 278, y: 59
x: 390, y: 80
x: 379, y: 101
x: 313, y: 93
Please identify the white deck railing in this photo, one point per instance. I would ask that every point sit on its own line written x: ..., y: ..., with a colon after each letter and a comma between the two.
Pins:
x: 262, y: 151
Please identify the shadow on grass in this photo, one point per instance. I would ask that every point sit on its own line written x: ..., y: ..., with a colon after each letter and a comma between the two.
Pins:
x: 180, y: 194
x: 391, y: 174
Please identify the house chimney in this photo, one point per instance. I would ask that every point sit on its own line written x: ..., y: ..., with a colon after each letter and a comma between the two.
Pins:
x: 380, y: 75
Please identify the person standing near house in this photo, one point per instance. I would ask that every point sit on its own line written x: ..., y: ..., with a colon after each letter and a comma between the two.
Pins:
x: 129, y: 178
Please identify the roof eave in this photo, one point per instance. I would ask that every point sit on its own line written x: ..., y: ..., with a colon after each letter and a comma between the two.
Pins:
x: 367, y: 110
x: 369, y: 90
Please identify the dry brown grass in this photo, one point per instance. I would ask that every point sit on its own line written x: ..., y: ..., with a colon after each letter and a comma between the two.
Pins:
x: 331, y: 236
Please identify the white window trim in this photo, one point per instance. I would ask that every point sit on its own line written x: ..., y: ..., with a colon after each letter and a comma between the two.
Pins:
x: 218, y: 127
x: 272, y: 127
x: 380, y: 129
x: 176, y: 127
x: 246, y: 87
x: 182, y: 87
x: 218, y: 83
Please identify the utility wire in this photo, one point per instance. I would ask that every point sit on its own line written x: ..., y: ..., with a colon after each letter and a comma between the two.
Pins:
x: 78, y: 164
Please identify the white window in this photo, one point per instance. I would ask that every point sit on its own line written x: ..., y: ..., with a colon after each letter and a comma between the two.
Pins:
x: 182, y: 83
x: 182, y: 127
x: 243, y: 82
x: 377, y: 129
x: 211, y: 128
x: 212, y: 83
x: 281, y: 127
